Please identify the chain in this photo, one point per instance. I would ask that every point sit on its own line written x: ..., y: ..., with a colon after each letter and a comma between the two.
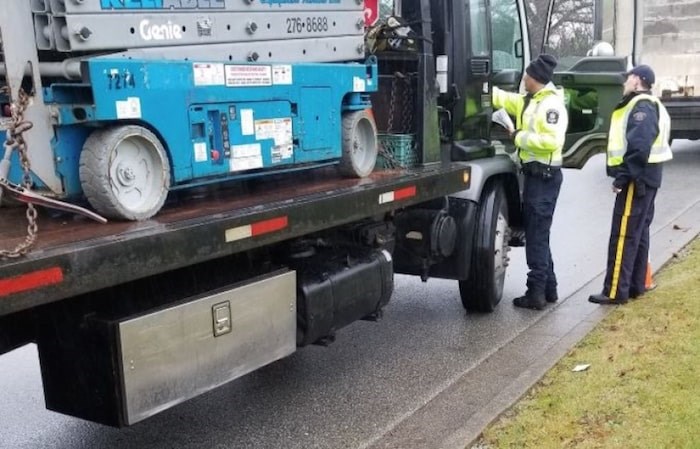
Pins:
x: 406, y: 118
x: 392, y: 104
x: 14, y: 139
x: 408, y: 109
x: 407, y: 98
x: 407, y: 102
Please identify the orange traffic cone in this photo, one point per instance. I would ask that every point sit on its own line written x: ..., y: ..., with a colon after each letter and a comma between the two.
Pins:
x: 649, y: 283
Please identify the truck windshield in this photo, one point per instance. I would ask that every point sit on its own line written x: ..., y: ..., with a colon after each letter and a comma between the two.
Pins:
x: 571, y: 31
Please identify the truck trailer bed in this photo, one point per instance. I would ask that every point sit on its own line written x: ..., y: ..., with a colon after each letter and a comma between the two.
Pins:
x: 74, y: 255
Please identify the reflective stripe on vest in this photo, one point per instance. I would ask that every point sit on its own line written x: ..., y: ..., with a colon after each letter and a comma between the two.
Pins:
x: 617, y: 138
x: 526, y: 155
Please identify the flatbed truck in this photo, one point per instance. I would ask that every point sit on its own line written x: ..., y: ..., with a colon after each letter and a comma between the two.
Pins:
x: 133, y: 317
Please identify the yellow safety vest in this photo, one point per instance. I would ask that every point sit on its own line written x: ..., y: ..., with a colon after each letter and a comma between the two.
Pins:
x: 617, y: 138
x: 542, y: 123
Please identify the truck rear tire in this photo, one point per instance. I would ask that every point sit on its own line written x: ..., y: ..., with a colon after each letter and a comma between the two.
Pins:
x: 359, y: 144
x: 125, y: 172
x: 483, y: 290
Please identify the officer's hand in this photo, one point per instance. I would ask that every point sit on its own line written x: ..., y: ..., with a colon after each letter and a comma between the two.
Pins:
x: 616, y: 190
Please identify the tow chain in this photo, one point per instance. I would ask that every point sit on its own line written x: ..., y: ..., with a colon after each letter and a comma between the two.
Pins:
x: 404, y: 128
x: 14, y: 139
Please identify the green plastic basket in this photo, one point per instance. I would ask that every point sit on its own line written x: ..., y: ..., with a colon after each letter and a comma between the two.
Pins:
x: 396, y: 151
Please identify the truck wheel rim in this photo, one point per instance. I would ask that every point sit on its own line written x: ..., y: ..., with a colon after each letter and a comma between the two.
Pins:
x: 500, y: 248
x: 136, y: 174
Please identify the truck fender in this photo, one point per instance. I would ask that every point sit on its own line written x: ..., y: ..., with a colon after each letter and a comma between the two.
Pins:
x: 506, y: 170
x: 482, y: 170
x: 499, y: 172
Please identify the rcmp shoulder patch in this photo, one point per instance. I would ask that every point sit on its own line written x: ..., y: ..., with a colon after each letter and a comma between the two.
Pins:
x: 552, y: 116
x: 639, y: 116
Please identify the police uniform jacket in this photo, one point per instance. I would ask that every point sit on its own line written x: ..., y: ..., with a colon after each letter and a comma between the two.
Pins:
x: 541, y: 122
x: 641, y: 132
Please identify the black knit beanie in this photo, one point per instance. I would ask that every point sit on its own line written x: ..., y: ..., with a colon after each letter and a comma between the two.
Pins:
x: 541, y: 69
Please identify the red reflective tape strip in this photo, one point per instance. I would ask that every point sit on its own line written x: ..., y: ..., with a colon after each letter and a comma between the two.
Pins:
x: 259, y: 228
x: 267, y: 226
x: 30, y: 281
x: 406, y: 192
x: 397, y: 195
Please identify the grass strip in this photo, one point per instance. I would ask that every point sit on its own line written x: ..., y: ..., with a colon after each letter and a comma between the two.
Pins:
x: 642, y: 389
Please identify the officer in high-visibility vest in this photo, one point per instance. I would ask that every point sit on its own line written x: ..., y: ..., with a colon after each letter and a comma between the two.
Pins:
x: 541, y: 121
x: 638, y: 144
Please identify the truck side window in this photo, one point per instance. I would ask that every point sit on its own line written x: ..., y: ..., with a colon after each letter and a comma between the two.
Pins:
x: 477, y: 23
x: 507, y: 38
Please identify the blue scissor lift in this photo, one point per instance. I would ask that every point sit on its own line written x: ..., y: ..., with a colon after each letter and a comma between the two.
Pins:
x: 133, y: 99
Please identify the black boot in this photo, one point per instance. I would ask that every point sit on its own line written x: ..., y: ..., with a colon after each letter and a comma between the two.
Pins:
x: 551, y: 296
x: 531, y: 300
x: 635, y: 295
x: 606, y: 300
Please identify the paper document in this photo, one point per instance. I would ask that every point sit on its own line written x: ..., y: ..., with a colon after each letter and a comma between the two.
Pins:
x: 502, y: 118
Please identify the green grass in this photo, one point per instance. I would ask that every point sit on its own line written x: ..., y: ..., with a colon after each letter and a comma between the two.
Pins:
x: 642, y: 389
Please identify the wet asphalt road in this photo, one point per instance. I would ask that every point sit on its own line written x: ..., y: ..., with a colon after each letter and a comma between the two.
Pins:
x: 376, y: 374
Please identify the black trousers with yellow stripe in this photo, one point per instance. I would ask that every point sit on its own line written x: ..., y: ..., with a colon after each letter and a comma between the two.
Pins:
x: 628, y: 250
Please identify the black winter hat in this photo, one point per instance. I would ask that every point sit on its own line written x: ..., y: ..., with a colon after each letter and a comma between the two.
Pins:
x: 541, y: 69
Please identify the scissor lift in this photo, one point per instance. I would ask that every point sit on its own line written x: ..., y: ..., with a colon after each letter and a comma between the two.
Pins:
x: 133, y: 98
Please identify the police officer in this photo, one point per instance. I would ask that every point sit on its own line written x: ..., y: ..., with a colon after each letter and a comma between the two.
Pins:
x: 541, y: 121
x: 638, y: 143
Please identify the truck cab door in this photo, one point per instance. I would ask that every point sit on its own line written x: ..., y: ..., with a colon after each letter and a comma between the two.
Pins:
x: 589, y: 74
x: 462, y: 31
x: 590, y: 93
x: 492, y: 38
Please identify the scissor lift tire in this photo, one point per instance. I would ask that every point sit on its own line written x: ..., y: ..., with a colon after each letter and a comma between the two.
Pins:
x: 359, y: 144
x: 125, y: 172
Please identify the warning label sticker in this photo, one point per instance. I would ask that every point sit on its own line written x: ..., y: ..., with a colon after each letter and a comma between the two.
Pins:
x: 358, y: 84
x: 282, y: 74
x: 282, y: 153
x: 208, y: 74
x: 130, y: 108
x: 278, y: 129
x: 248, y: 75
x: 246, y: 157
x: 200, y: 152
x: 5, y: 123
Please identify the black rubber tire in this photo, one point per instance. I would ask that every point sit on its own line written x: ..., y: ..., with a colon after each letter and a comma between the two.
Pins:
x: 360, y: 147
x: 483, y: 290
x: 97, y: 173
